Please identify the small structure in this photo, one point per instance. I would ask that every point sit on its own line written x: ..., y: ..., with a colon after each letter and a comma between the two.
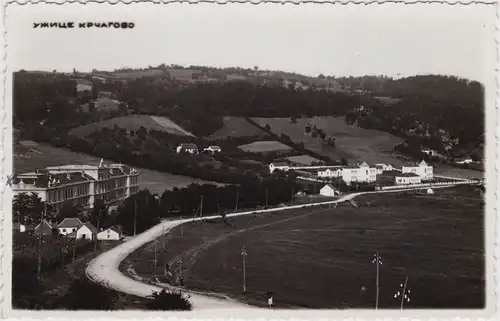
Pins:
x: 328, y: 190
x: 430, y: 191
x: 20, y: 227
x: 110, y: 234
x: 282, y: 166
x: 69, y: 225
x: 462, y: 161
x: 45, y: 228
x: 407, y: 179
x: 213, y: 149
x: 87, y: 232
x: 187, y: 148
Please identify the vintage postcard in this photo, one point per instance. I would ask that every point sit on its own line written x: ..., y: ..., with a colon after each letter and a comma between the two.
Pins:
x: 271, y: 161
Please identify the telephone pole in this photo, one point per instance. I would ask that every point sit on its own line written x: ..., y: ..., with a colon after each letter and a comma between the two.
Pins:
x: 266, y: 195
x: 98, y: 222
x: 156, y: 258
x: 377, y: 260
x: 40, y: 244
x: 243, y: 255
x: 135, y: 216
x: 237, y: 198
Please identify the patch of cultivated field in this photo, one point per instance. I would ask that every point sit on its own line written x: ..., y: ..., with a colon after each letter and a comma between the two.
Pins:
x: 302, y: 159
x: 237, y: 127
x: 265, y: 147
x: 132, y: 122
x: 352, y: 143
x: 42, y: 155
x: 322, y: 257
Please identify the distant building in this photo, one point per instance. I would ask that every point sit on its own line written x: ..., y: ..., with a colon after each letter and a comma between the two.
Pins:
x: 328, y: 190
x: 422, y: 169
x: 110, y: 234
x: 384, y: 168
x: 283, y: 166
x: 362, y: 173
x: 213, y: 149
x: 79, y: 184
x: 83, y: 85
x: 429, y: 152
x: 462, y: 161
x: 187, y: 148
x: 20, y: 227
x: 407, y: 179
x: 69, y: 225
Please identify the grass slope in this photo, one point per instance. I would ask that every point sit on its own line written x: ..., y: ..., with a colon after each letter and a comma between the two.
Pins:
x: 237, y: 127
x: 133, y: 122
x: 321, y: 258
x: 352, y: 143
x: 265, y: 146
x: 41, y: 155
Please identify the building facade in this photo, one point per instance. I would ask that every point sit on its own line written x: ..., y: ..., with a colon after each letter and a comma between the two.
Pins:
x: 407, y: 179
x: 81, y: 185
x: 362, y: 173
x: 422, y: 169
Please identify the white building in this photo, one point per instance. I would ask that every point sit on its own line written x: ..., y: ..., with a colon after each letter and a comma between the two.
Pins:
x: 187, y: 148
x: 80, y: 184
x: 467, y: 160
x: 213, y: 149
x: 330, y: 172
x: 429, y: 152
x: 110, y: 234
x: 328, y: 190
x: 282, y: 166
x: 359, y: 174
x: 86, y: 232
x: 407, y: 179
x: 422, y: 169
x: 383, y: 168
x: 69, y: 225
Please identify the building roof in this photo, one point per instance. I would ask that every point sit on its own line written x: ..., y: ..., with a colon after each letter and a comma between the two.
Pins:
x: 114, y: 229
x: 407, y: 175
x: 280, y: 163
x: 188, y: 145
x: 70, y: 222
x: 330, y: 186
x: 90, y: 227
x: 47, y: 224
x: 44, y: 179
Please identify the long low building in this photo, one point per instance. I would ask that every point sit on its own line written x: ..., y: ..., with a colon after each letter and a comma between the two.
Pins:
x: 80, y: 184
x: 361, y: 173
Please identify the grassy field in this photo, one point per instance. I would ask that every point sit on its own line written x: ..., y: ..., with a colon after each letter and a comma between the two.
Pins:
x: 237, y: 127
x: 41, y: 155
x: 265, y: 146
x: 352, y: 143
x: 302, y: 159
x: 133, y: 122
x: 322, y: 258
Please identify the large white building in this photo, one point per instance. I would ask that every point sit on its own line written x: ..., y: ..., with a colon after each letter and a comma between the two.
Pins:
x: 422, y: 169
x: 79, y: 184
x: 362, y: 173
x: 407, y: 179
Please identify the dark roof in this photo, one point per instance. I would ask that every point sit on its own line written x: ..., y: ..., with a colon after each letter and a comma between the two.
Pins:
x: 188, y: 145
x: 115, y: 229
x: 408, y: 175
x: 42, y: 178
x: 70, y: 222
x: 280, y: 163
x: 90, y: 227
x: 391, y: 173
x: 47, y: 224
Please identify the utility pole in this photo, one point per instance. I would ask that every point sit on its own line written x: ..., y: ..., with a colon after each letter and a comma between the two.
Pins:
x: 156, y: 258
x: 74, y: 249
x: 182, y: 230
x: 243, y: 255
x: 404, y: 294
x: 237, y: 198
x: 377, y: 260
x: 201, y: 206
x: 40, y: 243
x: 98, y: 222
x: 266, y: 195
x: 163, y: 238
x: 135, y: 216
x: 293, y: 196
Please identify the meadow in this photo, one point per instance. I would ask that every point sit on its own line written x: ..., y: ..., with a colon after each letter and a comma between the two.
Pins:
x: 322, y: 257
x: 132, y: 122
x: 265, y: 147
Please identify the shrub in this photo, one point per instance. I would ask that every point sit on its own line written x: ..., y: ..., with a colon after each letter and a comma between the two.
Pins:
x: 84, y: 294
x: 169, y: 300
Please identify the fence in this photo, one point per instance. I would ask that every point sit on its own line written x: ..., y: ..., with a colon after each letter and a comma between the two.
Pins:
x: 425, y: 185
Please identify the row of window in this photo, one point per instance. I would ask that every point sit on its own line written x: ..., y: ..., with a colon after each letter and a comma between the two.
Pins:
x: 70, y: 192
x: 102, y: 187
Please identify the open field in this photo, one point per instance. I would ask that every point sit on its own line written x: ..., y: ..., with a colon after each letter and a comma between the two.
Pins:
x: 302, y: 159
x: 265, y: 147
x: 352, y: 143
x: 42, y: 155
x: 133, y: 122
x: 321, y: 257
x: 237, y: 127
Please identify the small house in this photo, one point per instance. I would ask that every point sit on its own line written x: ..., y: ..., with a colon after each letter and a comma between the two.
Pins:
x: 462, y: 161
x: 45, y: 228
x: 20, y: 227
x: 69, y: 225
x: 110, y: 234
x: 213, y: 149
x: 187, y: 148
x: 328, y: 190
x: 87, y: 232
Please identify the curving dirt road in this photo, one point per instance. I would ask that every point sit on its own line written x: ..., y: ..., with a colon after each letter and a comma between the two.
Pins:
x: 104, y: 268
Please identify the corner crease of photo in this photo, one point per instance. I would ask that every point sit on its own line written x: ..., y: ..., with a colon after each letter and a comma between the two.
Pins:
x: 270, y: 161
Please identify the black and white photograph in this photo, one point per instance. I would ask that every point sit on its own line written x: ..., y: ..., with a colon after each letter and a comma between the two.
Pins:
x: 241, y: 160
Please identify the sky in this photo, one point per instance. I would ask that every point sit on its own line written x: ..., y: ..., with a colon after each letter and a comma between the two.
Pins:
x: 396, y: 40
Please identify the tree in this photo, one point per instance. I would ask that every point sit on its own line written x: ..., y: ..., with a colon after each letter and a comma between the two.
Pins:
x: 84, y: 294
x: 69, y: 210
x: 308, y: 129
x: 267, y: 127
x: 99, y: 214
x: 169, y: 300
x: 28, y: 207
x: 344, y: 162
x: 139, y: 211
